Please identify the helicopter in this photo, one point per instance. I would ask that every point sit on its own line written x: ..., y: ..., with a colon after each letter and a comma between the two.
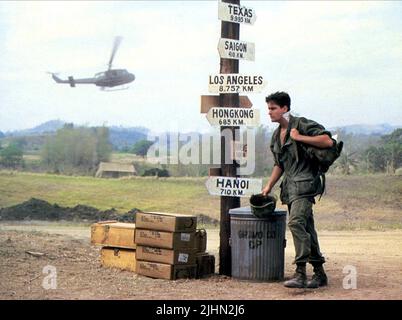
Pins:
x: 106, y: 79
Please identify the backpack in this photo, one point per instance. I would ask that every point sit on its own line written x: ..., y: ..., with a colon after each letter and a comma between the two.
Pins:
x: 324, y: 158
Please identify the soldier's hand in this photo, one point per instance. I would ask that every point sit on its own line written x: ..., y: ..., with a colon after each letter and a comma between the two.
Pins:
x: 266, y: 190
x: 294, y: 134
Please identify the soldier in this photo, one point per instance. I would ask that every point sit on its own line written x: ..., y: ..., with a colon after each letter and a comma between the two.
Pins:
x: 300, y: 184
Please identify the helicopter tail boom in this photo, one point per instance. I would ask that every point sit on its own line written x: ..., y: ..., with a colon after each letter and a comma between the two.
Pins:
x: 72, y: 82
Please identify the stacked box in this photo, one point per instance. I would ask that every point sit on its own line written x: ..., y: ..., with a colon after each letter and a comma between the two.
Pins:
x: 171, y: 222
x: 118, y: 244
x: 173, y: 257
x: 124, y: 259
x: 158, y: 245
x: 166, y: 240
x: 205, y: 264
x: 113, y: 234
x: 166, y: 271
x: 166, y: 245
x: 201, y: 240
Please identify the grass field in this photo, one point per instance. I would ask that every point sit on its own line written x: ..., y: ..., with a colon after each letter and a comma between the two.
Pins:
x: 352, y: 202
x: 169, y: 194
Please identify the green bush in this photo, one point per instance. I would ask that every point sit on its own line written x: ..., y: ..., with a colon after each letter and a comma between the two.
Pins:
x: 76, y: 150
x: 156, y: 172
x: 11, y: 156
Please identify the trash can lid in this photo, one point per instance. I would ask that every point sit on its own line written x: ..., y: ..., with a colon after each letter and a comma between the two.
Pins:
x: 247, y: 213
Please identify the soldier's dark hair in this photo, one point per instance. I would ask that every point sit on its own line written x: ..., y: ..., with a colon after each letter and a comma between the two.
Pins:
x: 280, y: 98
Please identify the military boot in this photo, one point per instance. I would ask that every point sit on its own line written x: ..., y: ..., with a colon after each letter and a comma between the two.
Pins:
x: 319, y: 278
x: 299, y: 280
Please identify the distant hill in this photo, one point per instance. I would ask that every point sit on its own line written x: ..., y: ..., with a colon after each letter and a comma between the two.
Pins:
x: 122, y: 138
x: 47, y: 127
x: 363, y: 129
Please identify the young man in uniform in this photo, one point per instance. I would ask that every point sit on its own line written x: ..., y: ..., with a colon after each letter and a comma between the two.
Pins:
x: 300, y: 184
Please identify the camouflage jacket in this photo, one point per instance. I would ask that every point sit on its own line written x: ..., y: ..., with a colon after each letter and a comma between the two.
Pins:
x: 300, y: 175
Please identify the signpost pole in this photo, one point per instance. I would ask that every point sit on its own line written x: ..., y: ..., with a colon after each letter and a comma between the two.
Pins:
x: 229, y: 30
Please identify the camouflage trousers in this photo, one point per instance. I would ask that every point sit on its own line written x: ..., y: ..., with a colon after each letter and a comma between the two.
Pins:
x: 301, y: 225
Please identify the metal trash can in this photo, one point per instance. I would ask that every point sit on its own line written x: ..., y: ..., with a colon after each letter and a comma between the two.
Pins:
x: 257, y: 245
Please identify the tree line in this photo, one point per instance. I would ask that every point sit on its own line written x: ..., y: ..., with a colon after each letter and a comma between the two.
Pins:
x: 79, y: 150
x: 72, y: 150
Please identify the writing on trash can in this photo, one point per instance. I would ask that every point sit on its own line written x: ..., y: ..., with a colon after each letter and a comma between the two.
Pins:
x: 255, y: 237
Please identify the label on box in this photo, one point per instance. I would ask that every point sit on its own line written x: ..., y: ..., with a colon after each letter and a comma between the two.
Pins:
x: 151, y: 218
x: 157, y: 251
x: 185, y: 237
x: 183, y: 257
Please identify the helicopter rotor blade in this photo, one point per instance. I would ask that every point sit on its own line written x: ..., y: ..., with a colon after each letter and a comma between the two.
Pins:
x: 116, y: 45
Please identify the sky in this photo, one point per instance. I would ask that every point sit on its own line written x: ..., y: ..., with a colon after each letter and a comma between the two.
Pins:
x: 341, y: 62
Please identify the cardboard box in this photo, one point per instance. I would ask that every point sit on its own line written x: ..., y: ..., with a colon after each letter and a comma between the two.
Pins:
x: 166, y: 240
x: 180, y: 256
x: 205, y: 265
x: 166, y: 271
x: 113, y: 234
x: 172, y: 222
x: 201, y: 240
x: 124, y: 259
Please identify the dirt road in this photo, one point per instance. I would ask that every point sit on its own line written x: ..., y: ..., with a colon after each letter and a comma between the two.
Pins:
x: 376, y: 257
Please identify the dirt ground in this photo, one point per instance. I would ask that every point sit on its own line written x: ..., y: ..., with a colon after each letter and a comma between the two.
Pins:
x: 377, y: 257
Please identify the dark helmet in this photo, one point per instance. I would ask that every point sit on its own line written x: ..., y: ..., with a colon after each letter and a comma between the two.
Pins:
x: 262, y: 206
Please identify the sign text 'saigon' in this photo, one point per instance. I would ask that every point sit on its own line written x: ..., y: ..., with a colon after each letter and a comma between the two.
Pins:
x: 234, y: 49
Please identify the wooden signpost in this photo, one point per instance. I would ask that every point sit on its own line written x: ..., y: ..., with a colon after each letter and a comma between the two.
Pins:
x: 229, y: 111
x: 208, y: 102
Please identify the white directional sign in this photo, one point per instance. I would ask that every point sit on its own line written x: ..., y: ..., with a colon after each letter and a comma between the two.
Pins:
x: 233, y: 187
x: 235, y: 83
x: 234, y: 13
x: 234, y: 117
x: 234, y: 49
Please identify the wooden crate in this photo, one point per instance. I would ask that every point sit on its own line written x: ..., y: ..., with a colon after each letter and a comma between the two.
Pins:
x: 124, y: 259
x: 205, y: 265
x: 166, y: 271
x: 113, y: 234
x: 201, y: 240
x: 169, y: 256
x: 160, y: 221
x: 166, y: 240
